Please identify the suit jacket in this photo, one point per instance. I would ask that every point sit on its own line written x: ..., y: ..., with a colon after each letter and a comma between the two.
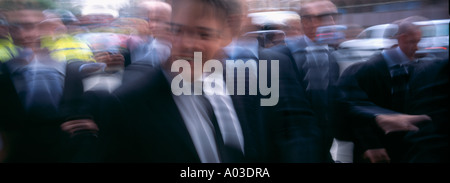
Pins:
x: 429, y: 95
x: 76, y: 104
x: 365, y: 92
x: 290, y: 131
x: 287, y: 132
x: 35, y: 136
x: 11, y: 106
x: 140, y: 121
x: 320, y: 101
x: 145, y: 123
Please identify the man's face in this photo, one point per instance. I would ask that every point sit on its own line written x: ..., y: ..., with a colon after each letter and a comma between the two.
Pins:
x: 317, y: 14
x: 195, y: 29
x: 24, y: 27
x: 408, y: 42
x: 158, y: 19
x: 52, y: 27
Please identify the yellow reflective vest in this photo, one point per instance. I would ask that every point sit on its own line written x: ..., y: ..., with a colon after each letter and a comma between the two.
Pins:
x: 7, y: 50
x: 67, y: 48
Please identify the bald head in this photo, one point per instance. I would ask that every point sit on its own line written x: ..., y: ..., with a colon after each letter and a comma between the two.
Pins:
x: 158, y: 14
x: 407, y: 25
x: 157, y: 10
x: 408, y: 36
x: 317, y: 8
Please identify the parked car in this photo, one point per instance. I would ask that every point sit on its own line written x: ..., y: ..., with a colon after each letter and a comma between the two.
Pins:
x: 370, y: 41
x: 435, y: 39
x: 434, y: 43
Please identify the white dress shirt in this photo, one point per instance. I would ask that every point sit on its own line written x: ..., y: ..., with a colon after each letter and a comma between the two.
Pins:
x: 200, y: 127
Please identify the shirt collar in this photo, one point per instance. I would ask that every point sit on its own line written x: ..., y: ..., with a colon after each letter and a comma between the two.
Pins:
x: 395, y: 56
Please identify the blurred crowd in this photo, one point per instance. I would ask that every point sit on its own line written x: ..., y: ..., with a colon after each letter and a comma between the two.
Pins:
x: 96, y: 86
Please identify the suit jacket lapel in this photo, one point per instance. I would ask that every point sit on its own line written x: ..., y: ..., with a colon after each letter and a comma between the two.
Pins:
x: 170, y: 113
x: 383, y: 72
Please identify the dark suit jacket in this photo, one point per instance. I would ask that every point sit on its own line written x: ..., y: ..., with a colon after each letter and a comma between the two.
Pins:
x: 320, y: 101
x: 429, y: 95
x: 290, y: 130
x: 146, y: 125
x: 365, y: 92
x: 32, y: 137
x: 76, y: 104
x: 11, y: 106
x: 287, y: 132
x: 143, y: 123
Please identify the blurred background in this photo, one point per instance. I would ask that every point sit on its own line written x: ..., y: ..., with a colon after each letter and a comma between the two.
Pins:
x: 110, y: 34
x: 361, y: 12
x: 355, y: 15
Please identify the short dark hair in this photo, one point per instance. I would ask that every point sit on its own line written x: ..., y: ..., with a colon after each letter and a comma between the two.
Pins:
x: 220, y: 8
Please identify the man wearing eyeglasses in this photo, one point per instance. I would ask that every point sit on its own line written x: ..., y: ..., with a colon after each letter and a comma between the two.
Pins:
x: 315, y: 67
x: 316, y: 14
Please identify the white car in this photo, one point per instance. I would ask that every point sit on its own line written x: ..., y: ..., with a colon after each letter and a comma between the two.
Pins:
x: 370, y: 41
x: 435, y: 38
x: 434, y: 43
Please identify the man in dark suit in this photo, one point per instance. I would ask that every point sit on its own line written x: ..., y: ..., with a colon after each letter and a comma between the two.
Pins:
x: 147, y: 122
x: 165, y: 127
x: 32, y: 88
x: 287, y: 131
x: 315, y: 67
x: 374, y: 98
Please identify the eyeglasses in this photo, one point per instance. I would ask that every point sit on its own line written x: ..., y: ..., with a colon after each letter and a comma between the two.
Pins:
x: 321, y: 17
x: 199, y: 33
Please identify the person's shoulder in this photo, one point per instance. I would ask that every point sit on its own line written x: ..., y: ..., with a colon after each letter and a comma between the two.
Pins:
x: 364, y: 67
x: 431, y: 69
x: 281, y: 48
x: 375, y: 62
x: 139, y: 79
x: 352, y: 69
x: 280, y: 52
x: 433, y: 64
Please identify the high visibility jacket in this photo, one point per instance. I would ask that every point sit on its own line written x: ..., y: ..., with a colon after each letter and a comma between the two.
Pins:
x: 67, y: 48
x: 7, y: 50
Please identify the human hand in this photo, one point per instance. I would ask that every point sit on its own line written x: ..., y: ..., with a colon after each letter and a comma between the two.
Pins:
x: 112, y: 60
x: 377, y: 156
x: 74, y: 126
x: 400, y: 122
